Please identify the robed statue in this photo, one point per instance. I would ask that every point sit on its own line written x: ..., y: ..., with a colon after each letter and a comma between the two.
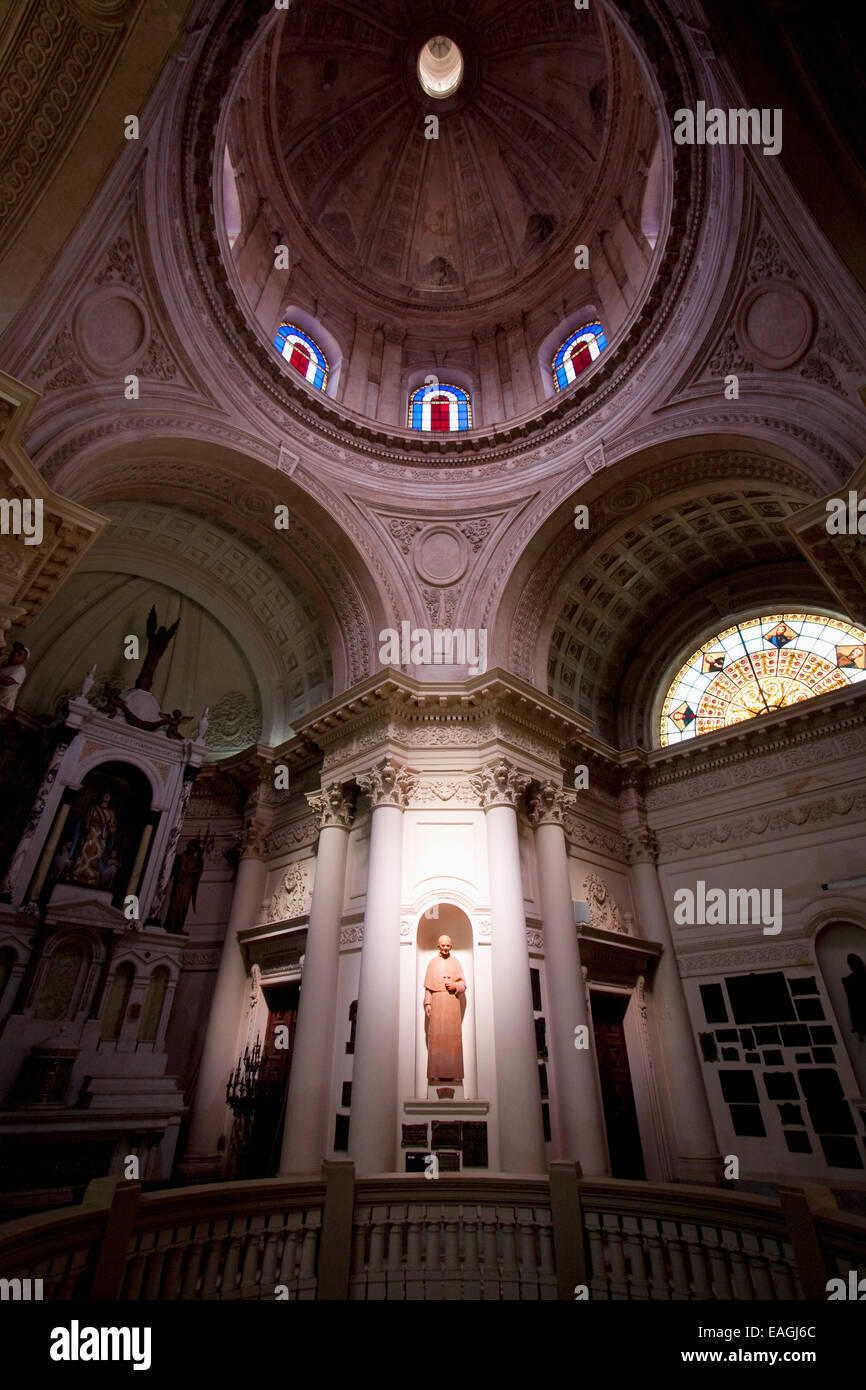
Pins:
x: 444, y: 992
x: 158, y: 639
x: 185, y: 874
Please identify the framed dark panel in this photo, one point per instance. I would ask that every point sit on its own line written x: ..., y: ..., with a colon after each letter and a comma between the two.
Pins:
x: 753, y: 1057
x: 839, y: 1152
x: 747, y: 1121
x: 747, y: 1037
x: 739, y: 1086
x: 474, y: 1144
x: 415, y: 1163
x: 541, y: 1037
x: 341, y: 1134
x: 804, y: 986
x: 730, y: 1054
x: 728, y: 1035
x: 535, y: 977
x: 713, y: 1000
x: 346, y: 1095
x: 449, y: 1161
x: 545, y: 1120
x: 781, y: 1085
x: 795, y: 1035
x: 709, y: 1050
x: 790, y: 1114
x: 542, y: 1079
x: 760, y: 998
x: 353, y: 1023
x: 824, y: 1054
x: 810, y: 1008
x: 773, y: 1057
x: 822, y: 1033
x: 763, y: 1036
x: 803, y: 1057
x: 447, y: 1134
x: 414, y: 1136
x: 798, y: 1141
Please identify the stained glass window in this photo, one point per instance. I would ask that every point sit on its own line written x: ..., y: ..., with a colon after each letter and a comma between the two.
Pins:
x: 440, y: 408
x: 758, y: 666
x: 304, y: 354
x: 577, y: 352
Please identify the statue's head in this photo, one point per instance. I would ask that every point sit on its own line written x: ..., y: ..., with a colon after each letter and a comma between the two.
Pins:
x: 856, y: 963
x: 445, y: 946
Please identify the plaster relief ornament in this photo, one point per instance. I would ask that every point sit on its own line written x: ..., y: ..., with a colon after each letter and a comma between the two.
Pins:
x: 389, y: 784
x: 549, y: 804
x: 444, y: 1007
x: 332, y: 806
x: 292, y: 898
x: 604, y: 911
x: 499, y: 784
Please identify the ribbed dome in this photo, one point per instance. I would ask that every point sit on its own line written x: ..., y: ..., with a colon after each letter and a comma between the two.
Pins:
x: 506, y: 182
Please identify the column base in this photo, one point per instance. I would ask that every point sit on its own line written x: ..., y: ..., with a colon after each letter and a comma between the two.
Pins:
x: 707, y: 1172
x: 201, y: 1167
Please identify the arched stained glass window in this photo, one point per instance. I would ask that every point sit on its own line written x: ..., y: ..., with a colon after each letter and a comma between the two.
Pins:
x: 577, y: 352
x: 304, y: 354
x: 440, y: 408
x: 758, y: 666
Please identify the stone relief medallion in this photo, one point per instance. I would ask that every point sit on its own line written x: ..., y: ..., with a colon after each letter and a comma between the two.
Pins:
x: 440, y: 554
x: 774, y: 324
x: 112, y: 329
x: 292, y: 898
x: 605, y: 913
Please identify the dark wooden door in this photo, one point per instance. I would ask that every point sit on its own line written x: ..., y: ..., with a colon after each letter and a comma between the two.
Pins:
x: 620, y: 1116
x: 263, y: 1153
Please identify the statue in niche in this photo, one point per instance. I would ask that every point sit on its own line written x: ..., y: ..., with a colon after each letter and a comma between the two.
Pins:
x: 158, y: 639
x: 444, y: 1004
x: 185, y: 874
x: 100, y: 829
x: 855, y: 989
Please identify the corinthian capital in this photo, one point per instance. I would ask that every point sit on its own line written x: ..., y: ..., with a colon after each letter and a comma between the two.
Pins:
x: 641, y: 846
x: 499, y: 784
x: 332, y: 806
x: 547, y: 805
x: 388, y: 784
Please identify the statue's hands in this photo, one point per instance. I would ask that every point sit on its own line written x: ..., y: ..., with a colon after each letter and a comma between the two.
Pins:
x: 427, y: 1010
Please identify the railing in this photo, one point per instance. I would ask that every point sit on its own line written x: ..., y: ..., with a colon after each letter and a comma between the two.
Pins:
x: 463, y: 1238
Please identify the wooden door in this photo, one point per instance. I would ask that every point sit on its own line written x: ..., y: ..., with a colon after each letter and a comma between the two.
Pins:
x: 263, y: 1153
x: 620, y: 1116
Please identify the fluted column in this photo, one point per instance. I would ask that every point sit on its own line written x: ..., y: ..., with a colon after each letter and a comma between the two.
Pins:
x: 373, y: 1126
x: 391, y: 409
x: 578, y: 1119
x: 218, y: 1055
x: 492, y: 410
x: 358, y: 369
x: 697, y: 1146
x: 308, y: 1106
x: 499, y: 786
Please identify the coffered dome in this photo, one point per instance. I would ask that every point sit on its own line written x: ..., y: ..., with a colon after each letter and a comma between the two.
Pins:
x: 434, y: 175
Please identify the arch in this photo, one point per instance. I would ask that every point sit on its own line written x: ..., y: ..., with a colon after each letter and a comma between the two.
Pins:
x: 102, y: 829
x: 441, y: 409
x: 116, y: 1004
x: 455, y: 922
x: 61, y: 982
x: 588, y: 312
x: 653, y: 206
x: 840, y: 950
x: 154, y: 1001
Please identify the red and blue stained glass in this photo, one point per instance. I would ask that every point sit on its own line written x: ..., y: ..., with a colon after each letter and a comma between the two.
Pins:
x: 577, y: 353
x: 304, y: 354
x: 440, y: 408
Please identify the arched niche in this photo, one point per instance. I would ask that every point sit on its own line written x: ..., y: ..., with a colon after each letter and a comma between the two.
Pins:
x: 839, y: 946
x: 445, y: 919
x: 100, y: 840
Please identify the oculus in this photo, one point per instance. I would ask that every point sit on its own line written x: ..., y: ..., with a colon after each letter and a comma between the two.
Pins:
x: 440, y: 67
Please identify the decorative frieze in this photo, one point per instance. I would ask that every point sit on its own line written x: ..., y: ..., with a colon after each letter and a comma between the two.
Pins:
x: 746, y: 958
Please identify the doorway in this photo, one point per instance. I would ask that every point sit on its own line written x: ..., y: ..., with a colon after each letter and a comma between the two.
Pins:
x: 620, y: 1115
x: 265, y: 1144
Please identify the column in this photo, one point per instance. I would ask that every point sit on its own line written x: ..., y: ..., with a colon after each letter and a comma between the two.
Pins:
x: 358, y: 367
x: 697, y: 1148
x: 373, y: 1127
x: 521, y: 373
x: 578, y: 1119
x: 391, y: 405
x: 499, y: 786
x: 492, y: 411
x: 308, y: 1107
x: 208, y: 1118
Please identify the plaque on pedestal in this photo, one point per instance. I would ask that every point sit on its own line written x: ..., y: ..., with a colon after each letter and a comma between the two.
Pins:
x: 447, y: 1134
x: 414, y: 1135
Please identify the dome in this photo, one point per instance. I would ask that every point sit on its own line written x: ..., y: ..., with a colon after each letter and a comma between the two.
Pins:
x: 437, y: 176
